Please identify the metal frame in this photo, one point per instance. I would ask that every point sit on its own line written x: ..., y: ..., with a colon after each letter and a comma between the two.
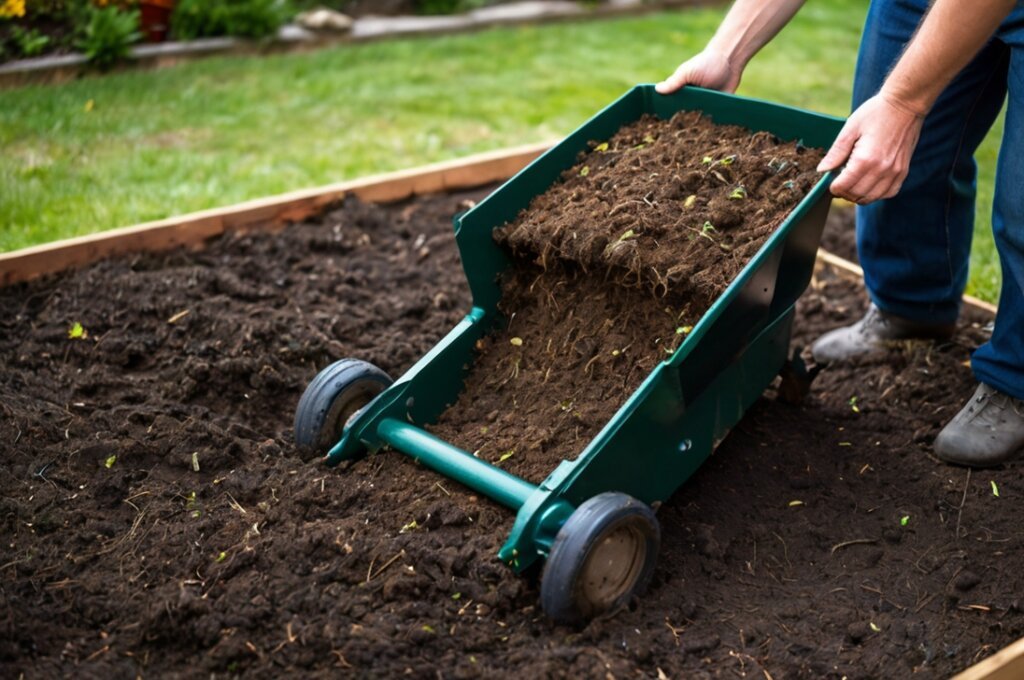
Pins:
x: 684, y: 407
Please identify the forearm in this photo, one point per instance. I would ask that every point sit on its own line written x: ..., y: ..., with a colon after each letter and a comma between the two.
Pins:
x: 950, y: 35
x: 749, y: 26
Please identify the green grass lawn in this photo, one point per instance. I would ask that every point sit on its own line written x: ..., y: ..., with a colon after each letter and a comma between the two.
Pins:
x: 158, y: 143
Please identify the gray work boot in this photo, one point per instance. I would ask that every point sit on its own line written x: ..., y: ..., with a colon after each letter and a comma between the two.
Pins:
x: 872, y: 333
x: 989, y: 430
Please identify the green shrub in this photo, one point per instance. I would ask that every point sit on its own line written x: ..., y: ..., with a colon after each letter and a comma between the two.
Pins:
x: 242, y: 18
x: 28, y: 42
x: 107, y: 34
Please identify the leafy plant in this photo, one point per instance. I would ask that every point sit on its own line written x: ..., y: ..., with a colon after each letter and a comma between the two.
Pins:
x: 29, y: 42
x: 108, y: 34
x: 242, y: 18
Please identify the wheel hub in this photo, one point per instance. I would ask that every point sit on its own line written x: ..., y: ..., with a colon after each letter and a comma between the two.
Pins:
x: 614, y: 565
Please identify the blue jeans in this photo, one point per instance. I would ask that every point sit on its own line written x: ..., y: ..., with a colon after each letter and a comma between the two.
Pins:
x: 915, y: 246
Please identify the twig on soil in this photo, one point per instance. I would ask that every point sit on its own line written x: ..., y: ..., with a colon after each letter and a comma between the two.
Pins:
x: 675, y: 631
x: 963, y: 499
x: 291, y: 638
x: 235, y: 505
x: 40, y: 475
x: 342, y: 661
x: 917, y: 564
x: 370, y: 573
x: 856, y: 541
x: 446, y: 491
x: 785, y: 549
x: 924, y: 603
x: 882, y: 595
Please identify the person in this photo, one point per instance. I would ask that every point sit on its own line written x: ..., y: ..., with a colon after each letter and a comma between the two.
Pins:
x: 930, y: 81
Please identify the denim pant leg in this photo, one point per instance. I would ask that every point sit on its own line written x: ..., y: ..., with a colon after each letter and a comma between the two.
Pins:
x: 1000, y: 362
x: 915, y: 246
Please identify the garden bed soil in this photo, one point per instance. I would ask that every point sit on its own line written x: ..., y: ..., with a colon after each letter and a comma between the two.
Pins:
x: 611, y: 267
x: 786, y: 553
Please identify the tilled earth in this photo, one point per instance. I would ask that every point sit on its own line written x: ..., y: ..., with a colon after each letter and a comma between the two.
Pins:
x: 158, y: 521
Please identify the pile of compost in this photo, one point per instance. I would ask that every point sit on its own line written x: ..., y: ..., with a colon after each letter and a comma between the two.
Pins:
x: 157, y: 519
x: 611, y: 269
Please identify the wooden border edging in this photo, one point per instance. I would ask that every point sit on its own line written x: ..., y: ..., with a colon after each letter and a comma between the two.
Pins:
x: 276, y: 211
x: 856, y: 271
x: 265, y: 213
x: 1006, y: 664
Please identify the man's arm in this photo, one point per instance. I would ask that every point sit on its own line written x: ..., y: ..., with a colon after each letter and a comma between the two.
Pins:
x: 878, y: 140
x: 749, y: 26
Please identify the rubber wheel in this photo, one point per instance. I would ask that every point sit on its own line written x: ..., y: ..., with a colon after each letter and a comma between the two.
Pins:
x: 334, y: 396
x: 602, y: 557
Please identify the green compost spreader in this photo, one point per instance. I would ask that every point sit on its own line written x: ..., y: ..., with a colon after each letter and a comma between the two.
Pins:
x: 591, y: 518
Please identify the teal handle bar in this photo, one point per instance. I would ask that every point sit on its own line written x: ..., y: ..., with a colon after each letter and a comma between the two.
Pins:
x: 454, y: 463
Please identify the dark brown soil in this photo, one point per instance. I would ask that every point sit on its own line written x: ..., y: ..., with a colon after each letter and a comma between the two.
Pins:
x: 612, y: 267
x: 278, y: 566
x: 672, y: 206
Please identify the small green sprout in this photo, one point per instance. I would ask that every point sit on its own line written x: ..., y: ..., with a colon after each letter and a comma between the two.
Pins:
x: 77, y: 332
x: 585, y: 171
x: 728, y: 160
x: 794, y: 504
x: 995, y: 489
x: 109, y: 462
x: 603, y: 146
x: 739, y: 192
x: 788, y: 184
x: 411, y: 526
x: 628, y: 234
x: 505, y: 456
x: 428, y: 629
x: 853, y: 405
x: 649, y: 139
x: 708, y: 160
x: 707, y: 228
x: 516, y: 342
x: 905, y: 520
x: 683, y: 330
x: 456, y: 596
x: 221, y: 556
x: 777, y: 166
x: 875, y: 627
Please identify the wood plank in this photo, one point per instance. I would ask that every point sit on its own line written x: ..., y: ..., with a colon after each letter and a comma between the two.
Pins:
x: 1006, y: 664
x: 853, y: 270
x: 264, y: 213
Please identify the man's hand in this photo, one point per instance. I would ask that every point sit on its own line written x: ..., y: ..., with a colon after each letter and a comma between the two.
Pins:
x: 876, y: 144
x: 710, y: 69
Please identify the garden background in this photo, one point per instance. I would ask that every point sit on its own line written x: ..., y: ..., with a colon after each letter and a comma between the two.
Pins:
x: 137, y: 145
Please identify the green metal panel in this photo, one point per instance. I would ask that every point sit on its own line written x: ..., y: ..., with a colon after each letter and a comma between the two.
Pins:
x: 669, y: 426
